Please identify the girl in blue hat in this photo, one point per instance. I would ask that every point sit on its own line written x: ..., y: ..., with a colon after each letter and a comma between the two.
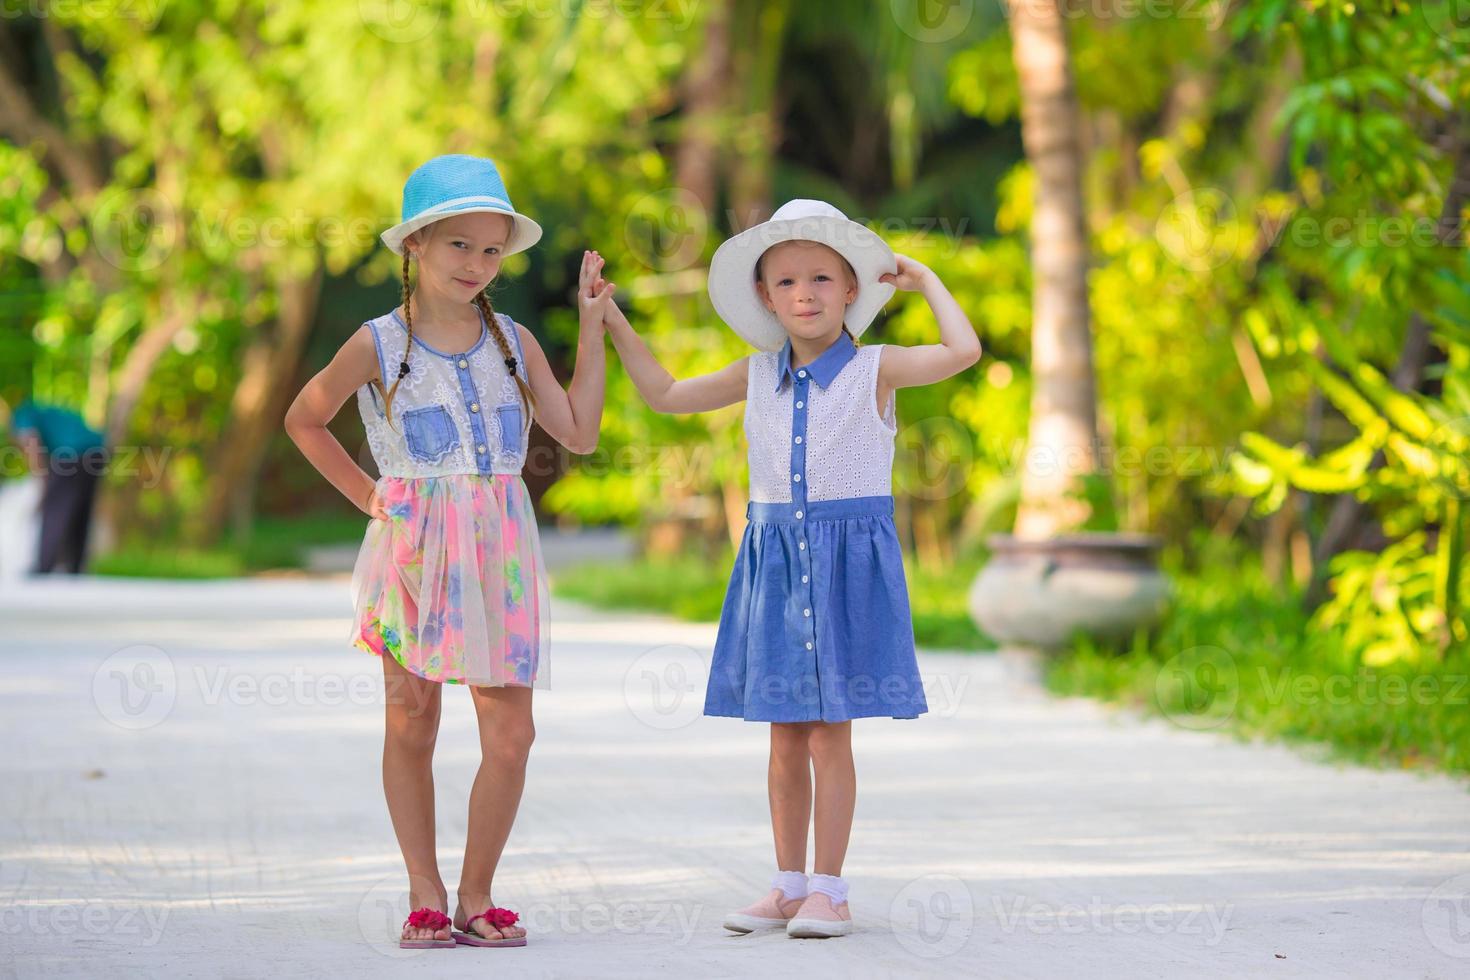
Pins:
x: 449, y: 585
x: 815, y: 630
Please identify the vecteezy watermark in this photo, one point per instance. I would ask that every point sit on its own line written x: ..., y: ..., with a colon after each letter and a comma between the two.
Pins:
x: 664, y: 687
x: 384, y: 909
x: 1450, y: 19
x: 407, y: 21
x: 676, y: 922
x: 135, y: 688
x: 383, y: 912
x: 145, y: 12
x: 1365, y: 688
x: 933, y: 21
x: 933, y: 916
x: 1120, y: 461
x: 897, y: 694
x: 667, y: 230
x: 135, y: 229
x: 136, y: 925
x: 138, y: 229
x: 675, y: 465
x: 220, y: 684
x: 1202, y: 228
x: 935, y: 457
x: 1445, y: 916
x: 1213, y: 11
x: 1197, y: 688
x: 1101, y: 917
x: 143, y: 466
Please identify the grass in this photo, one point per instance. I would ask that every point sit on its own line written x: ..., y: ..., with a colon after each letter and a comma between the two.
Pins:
x: 693, y: 587
x: 1237, y: 654
x: 274, y: 544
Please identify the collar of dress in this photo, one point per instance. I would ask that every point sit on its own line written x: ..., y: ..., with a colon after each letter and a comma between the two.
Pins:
x: 826, y: 365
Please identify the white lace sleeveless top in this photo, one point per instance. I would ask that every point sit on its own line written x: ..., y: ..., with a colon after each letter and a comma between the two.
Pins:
x: 452, y: 413
x: 847, y: 448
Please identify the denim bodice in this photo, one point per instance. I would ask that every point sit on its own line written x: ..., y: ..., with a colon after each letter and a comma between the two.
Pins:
x: 452, y: 413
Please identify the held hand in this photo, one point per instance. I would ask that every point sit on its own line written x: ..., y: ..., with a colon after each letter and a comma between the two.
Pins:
x: 613, y: 316
x: 912, y: 274
x: 594, y: 293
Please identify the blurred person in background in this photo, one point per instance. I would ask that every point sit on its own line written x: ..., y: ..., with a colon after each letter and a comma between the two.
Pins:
x: 70, y: 456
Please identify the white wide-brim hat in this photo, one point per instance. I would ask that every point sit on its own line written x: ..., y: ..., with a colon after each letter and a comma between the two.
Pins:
x: 732, y: 270
x: 459, y: 184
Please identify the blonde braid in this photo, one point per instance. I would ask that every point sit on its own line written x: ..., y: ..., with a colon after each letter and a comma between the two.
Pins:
x: 388, y: 393
x: 528, y: 400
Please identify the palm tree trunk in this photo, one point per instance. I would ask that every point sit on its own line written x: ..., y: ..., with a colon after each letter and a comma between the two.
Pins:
x: 1063, y: 429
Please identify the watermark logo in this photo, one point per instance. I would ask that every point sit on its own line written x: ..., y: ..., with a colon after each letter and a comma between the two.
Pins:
x: 1197, y: 688
x: 135, y: 688
x: 667, y: 230
x: 932, y: 21
x: 933, y: 916
x: 399, y: 21
x: 134, y: 230
x: 1445, y: 916
x: 664, y: 687
x: 1199, y: 229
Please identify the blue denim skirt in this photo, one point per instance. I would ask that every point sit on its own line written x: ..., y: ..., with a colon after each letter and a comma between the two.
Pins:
x: 816, y: 623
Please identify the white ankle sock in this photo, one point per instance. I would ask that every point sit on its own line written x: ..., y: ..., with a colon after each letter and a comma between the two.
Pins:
x: 832, y: 886
x: 791, y: 883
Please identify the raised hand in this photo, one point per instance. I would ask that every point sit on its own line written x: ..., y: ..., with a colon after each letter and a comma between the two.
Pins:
x: 594, y: 293
x: 912, y: 274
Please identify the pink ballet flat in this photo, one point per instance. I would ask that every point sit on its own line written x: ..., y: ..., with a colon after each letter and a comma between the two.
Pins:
x: 818, y: 918
x: 426, y: 918
x: 771, y: 912
x: 497, y: 917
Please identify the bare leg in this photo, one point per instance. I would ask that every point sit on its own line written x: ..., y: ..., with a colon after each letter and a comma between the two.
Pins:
x: 789, y: 783
x: 836, y: 796
x: 412, y: 726
x: 506, y: 733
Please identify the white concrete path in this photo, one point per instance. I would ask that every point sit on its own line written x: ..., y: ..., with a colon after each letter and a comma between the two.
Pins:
x: 191, y: 788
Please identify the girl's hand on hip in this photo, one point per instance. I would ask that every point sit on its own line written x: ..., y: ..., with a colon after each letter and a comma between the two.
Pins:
x: 912, y: 275
x: 374, y: 506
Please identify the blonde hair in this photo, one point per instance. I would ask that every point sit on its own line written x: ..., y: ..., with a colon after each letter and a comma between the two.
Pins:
x: 507, y: 354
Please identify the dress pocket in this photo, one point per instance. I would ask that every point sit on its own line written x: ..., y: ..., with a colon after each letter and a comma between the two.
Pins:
x: 509, y: 416
x: 430, y: 433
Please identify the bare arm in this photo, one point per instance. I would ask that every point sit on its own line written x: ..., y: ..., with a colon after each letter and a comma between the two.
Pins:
x: 958, y: 347
x: 573, y: 417
x: 318, y: 403
x: 657, y: 386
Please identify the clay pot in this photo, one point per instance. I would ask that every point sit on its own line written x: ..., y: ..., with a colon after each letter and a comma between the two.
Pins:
x: 1038, y: 593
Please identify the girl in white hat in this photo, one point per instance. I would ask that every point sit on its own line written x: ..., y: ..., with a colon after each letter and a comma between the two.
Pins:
x: 815, y: 629
x: 449, y: 585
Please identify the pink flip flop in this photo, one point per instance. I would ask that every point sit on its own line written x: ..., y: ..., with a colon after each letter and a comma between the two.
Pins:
x: 427, y: 918
x: 497, y: 917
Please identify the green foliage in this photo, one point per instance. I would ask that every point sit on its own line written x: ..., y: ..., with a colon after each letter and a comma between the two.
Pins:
x: 1236, y: 654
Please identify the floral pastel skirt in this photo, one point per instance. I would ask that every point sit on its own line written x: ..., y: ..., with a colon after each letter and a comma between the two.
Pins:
x: 452, y: 585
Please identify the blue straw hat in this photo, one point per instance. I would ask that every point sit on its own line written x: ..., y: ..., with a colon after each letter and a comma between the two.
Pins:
x: 458, y: 184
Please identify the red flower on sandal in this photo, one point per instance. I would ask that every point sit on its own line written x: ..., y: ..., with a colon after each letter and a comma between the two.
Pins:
x: 427, y: 918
